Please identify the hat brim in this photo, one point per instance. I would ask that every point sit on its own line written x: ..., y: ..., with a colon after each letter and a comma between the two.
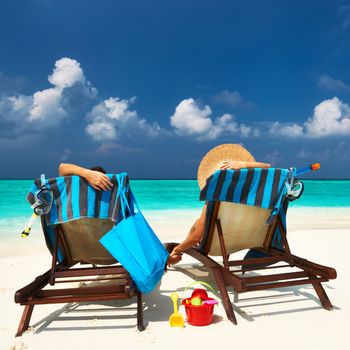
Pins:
x: 215, y: 158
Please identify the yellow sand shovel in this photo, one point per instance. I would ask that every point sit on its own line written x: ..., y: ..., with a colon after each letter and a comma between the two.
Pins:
x: 176, y: 319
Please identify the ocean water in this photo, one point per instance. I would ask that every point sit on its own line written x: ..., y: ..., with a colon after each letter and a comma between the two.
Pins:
x: 157, y: 197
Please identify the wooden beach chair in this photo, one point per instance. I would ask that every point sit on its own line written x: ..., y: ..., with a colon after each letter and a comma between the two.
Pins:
x: 246, y: 209
x: 74, y: 245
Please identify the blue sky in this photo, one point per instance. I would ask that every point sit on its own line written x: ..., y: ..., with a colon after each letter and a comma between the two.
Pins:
x: 149, y: 87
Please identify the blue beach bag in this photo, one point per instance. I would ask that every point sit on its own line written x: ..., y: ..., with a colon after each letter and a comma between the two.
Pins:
x: 134, y: 244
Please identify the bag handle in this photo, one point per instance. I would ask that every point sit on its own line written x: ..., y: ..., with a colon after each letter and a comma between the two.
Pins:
x: 124, y: 202
x: 121, y: 194
x: 133, y: 200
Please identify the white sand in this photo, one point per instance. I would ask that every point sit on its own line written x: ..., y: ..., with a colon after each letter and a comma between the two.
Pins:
x: 291, y: 318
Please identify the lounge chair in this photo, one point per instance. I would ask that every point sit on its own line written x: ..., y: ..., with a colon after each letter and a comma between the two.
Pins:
x: 79, y: 217
x: 246, y: 209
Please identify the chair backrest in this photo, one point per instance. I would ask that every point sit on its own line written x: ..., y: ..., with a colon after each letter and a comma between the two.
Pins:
x: 243, y: 227
x: 81, y: 241
x: 81, y: 215
x: 248, y: 203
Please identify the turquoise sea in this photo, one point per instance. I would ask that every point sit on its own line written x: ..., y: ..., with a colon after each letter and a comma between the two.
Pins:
x: 156, y: 196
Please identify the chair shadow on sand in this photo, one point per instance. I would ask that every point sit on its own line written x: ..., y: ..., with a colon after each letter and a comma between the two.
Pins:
x: 157, y: 305
x: 93, y: 312
x: 286, y: 295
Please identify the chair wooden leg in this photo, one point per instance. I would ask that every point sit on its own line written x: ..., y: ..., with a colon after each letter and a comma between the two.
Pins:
x: 224, y: 295
x: 24, y: 323
x: 140, y: 325
x: 322, y: 295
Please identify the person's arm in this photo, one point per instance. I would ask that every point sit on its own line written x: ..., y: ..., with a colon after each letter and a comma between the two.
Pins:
x: 238, y: 164
x: 96, y: 179
x: 194, y: 236
x: 197, y: 231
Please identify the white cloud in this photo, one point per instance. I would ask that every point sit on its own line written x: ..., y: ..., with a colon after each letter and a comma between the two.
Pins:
x: 219, y: 126
x: 245, y: 130
x: 18, y: 104
x: 66, y: 73
x: 327, y: 82
x: 119, y: 109
x: 49, y: 107
x: 14, y: 114
x: 331, y: 117
x: 71, y: 95
x: 101, y: 131
x: 286, y: 129
x: 190, y: 119
x: 112, y: 118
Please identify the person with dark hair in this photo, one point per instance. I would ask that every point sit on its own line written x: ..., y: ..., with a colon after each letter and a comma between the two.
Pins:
x: 95, y: 176
x: 99, y: 168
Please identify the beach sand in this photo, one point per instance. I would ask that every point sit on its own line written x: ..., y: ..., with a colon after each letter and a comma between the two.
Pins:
x: 291, y: 318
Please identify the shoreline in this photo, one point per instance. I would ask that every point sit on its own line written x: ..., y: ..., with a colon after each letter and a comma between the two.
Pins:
x: 173, y: 225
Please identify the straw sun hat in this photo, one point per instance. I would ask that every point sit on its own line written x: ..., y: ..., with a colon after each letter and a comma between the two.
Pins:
x: 216, y: 157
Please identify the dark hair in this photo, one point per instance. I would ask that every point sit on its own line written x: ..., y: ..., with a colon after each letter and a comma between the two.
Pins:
x: 98, y: 168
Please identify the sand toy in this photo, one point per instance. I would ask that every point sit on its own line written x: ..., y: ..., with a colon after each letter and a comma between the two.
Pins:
x: 176, y: 319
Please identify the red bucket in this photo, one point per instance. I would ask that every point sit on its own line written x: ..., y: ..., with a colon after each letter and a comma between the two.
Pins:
x: 199, y: 315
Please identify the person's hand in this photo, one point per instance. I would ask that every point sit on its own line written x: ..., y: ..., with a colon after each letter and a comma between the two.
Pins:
x: 98, y: 180
x: 174, y: 258
x: 233, y: 164
x: 239, y: 164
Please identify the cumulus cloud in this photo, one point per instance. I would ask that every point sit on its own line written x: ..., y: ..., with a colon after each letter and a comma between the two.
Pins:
x: 286, y: 129
x: 101, y: 131
x: 66, y: 73
x: 113, y: 118
x: 191, y: 119
x: 330, y: 117
x: 328, y: 83
x: 46, y: 108
x: 71, y: 95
